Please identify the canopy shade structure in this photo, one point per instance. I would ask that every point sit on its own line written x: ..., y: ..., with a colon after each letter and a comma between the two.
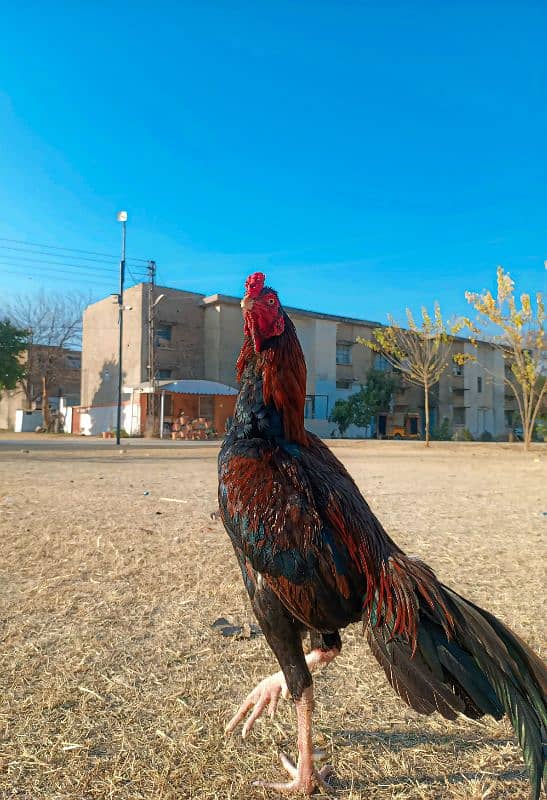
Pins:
x: 195, y: 399
x: 190, y: 387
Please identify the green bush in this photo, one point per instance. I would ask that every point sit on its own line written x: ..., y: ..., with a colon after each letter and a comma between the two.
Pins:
x: 444, y: 432
x: 467, y: 436
x: 486, y: 436
x: 541, y: 428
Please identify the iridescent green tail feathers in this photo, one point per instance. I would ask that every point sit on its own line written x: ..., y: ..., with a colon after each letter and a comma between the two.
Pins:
x: 481, y: 667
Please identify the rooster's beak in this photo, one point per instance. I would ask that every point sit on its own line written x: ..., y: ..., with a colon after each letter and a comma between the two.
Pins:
x: 247, y: 304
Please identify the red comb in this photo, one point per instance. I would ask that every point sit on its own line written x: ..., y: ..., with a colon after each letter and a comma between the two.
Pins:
x: 254, y: 284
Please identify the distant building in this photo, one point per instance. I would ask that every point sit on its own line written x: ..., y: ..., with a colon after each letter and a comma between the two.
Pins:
x: 198, y: 337
x: 27, y: 395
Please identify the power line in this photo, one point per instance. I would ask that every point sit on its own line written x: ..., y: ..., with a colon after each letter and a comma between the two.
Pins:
x: 82, y: 272
x: 55, y: 255
x: 67, y: 249
x: 138, y: 279
x: 44, y: 272
x: 10, y: 258
x: 50, y: 276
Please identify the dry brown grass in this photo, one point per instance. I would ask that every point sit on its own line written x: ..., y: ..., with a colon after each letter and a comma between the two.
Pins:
x: 114, y: 684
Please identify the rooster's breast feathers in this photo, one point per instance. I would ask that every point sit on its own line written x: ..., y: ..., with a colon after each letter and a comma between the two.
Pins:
x: 277, y: 518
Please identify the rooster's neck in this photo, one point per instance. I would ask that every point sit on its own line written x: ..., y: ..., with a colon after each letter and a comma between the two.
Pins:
x: 279, y: 373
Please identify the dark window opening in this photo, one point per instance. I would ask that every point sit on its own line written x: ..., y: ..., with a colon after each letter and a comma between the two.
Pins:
x: 343, y: 354
x: 381, y: 364
x: 479, y: 384
x: 163, y: 332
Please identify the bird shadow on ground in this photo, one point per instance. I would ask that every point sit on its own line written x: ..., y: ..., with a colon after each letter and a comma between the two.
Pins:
x: 337, y: 784
x: 396, y: 742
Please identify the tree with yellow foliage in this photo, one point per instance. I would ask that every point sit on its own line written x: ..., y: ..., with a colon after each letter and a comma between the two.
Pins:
x: 521, y: 341
x: 420, y: 352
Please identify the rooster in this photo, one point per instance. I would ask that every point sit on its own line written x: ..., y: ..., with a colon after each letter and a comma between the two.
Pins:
x: 314, y: 558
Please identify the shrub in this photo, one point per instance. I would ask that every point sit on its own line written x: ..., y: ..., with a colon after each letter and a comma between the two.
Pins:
x: 486, y: 436
x: 444, y: 432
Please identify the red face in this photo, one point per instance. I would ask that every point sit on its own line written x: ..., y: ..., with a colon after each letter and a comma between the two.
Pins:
x: 262, y: 311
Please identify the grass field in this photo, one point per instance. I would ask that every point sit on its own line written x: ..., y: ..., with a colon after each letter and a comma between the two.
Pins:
x: 114, y: 684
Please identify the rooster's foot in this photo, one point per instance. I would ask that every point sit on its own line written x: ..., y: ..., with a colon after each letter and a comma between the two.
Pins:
x: 304, y: 781
x: 266, y: 694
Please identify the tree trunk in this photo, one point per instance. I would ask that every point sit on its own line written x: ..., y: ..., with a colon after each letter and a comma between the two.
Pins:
x: 46, y: 416
x: 527, y: 430
x: 426, y: 405
x: 526, y: 421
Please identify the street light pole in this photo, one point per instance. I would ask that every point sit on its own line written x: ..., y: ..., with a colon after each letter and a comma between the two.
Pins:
x: 122, y: 217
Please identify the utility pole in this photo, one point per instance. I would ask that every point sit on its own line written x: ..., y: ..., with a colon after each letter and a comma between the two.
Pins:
x: 122, y: 217
x: 151, y: 366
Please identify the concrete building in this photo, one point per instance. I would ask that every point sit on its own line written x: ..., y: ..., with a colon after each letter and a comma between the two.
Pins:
x: 197, y: 337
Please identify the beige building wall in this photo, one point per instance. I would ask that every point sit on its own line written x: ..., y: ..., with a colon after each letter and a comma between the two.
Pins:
x: 223, y: 337
x: 10, y: 402
x: 100, y: 347
x: 182, y: 353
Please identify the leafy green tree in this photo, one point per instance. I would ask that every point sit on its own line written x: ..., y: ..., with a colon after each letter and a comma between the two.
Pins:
x: 360, y: 408
x: 342, y: 415
x: 420, y: 352
x: 521, y: 341
x: 13, y: 342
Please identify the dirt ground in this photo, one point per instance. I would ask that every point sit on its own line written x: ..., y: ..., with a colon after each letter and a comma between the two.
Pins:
x: 114, y: 684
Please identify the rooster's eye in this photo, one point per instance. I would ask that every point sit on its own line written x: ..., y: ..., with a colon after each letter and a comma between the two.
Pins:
x: 271, y: 301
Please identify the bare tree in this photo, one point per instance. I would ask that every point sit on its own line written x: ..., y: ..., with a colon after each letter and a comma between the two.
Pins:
x: 420, y: 352
x: 54, y: 324
x: 521, y: 342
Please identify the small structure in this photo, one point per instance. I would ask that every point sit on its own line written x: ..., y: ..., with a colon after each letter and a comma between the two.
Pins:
x: 204, y: 405
x: 195, y: 409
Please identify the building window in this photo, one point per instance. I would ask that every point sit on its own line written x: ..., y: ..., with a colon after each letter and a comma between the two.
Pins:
x: 479, y: 384
x: 343, y: 354
x: 74, y: 362
x: 344, y: 384
x: 458, y: 416
x: 381, y: 364
x: 163, y: 332
x: 163, y: 374
x: 457, y: 370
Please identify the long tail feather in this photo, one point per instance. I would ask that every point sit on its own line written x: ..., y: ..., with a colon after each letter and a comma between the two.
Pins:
x: 517, y: 676
x: 464, y: 660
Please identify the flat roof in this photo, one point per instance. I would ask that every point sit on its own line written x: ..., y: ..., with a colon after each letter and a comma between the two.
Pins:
x: 231, y: 300
x: 213, y: 299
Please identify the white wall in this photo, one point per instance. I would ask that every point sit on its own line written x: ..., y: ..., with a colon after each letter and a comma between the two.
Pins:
x: 318, y: 340
x: 325, y: 359
x: 27, y: 422
x: 98, y: 419
x: 484, y: 410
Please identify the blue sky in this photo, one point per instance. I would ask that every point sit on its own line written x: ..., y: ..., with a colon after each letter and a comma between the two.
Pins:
x: 366, y: 156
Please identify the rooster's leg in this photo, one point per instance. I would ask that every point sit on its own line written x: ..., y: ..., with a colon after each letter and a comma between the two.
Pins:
x: 283, y: 634
x: 266, y: 694
x: 305, y: 778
